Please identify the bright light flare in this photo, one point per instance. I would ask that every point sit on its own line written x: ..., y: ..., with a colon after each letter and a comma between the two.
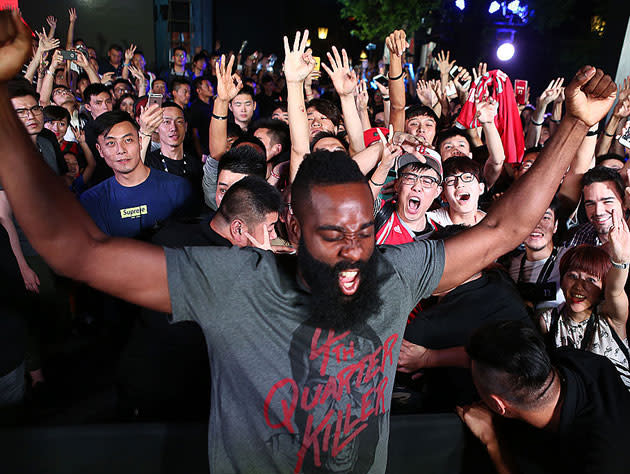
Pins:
x: 505, y: 51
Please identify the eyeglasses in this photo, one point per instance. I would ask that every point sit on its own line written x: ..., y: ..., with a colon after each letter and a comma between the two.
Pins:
x: 35, y: 110
x: 464, y: 178
x: 427, y: 182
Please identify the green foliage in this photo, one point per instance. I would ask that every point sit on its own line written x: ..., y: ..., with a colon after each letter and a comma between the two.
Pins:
x: 373, y: 20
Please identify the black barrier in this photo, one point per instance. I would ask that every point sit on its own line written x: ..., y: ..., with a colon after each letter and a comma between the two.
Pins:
x: 424, y: 444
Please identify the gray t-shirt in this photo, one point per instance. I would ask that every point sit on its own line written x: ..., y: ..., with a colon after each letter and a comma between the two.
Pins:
x: 287, y: 396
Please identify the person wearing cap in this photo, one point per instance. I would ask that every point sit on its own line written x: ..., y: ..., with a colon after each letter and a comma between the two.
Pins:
x: 403, y: 219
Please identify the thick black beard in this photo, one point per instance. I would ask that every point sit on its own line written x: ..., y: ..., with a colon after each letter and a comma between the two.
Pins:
x: 329, y: 307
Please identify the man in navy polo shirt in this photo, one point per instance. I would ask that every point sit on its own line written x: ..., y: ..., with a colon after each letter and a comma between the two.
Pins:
x: 136, y: 197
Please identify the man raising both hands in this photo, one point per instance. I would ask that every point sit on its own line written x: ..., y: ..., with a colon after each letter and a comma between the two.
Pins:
x: 312, y: 410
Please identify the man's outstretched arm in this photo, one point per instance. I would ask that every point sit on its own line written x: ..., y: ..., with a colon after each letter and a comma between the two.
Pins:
x: 588, y: 98
x: 53, y: 220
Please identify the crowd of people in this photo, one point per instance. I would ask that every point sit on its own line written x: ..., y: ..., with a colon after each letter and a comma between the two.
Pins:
x: 295, y: 253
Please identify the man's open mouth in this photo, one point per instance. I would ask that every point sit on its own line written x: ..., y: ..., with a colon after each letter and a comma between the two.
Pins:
x: 349, y: 281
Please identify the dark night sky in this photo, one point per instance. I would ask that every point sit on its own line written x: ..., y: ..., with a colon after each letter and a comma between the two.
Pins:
x: 470, y: 36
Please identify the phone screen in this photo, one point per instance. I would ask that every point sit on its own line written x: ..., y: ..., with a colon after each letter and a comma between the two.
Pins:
x: 318, y: 63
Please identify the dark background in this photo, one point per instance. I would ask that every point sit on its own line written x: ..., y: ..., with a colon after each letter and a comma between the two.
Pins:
x: 469, y: 35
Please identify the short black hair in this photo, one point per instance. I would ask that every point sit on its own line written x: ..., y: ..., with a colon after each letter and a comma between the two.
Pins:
x: 170, y: 103
x: 420, y: 110
x: 55, y: 112
x: 278, y: 131
x: 93, y: 90
x: 280, y: 105
x: 511, y: 361
x: 199, y: 56
x: 248, y: 138
x: 323, y: 134
x: 104, y: 122
x: 21, y: 88
x: 126, y: 95
x: 196, y: 83
x: 533, y: 149
x: 601, y: 174
x: 450, y: 133
x: 178, y: 81
x: 250, y: 199
x: 244, y: 160
x: 609, y: 156
x: 327, y: 108
x: 117, y: 47
x: 246, y: 90
x: 461, y: 164
x: 234, y: 130
x: 179, y: 48
x: 323, y: 168
x: 122, y: 80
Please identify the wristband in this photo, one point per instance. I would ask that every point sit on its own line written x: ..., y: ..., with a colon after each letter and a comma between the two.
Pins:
x: 536, y: 123
x: 126, y: 64
x: 611, y: 135
x: 591, y: 133
x: 554, y: 120
x: 620, y: 266
x: 386, y: 98
x: 51, y: 73
x: 219, y: 117
x: 377, y: 184
x: 277, y: 176
x: 395, y: 78
x: 145, y: 134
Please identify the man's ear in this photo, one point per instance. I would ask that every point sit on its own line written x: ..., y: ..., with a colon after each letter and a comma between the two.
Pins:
x: 88, y: 107
x: 555, y: 227
x: 482, y: 188
x: 438, y: 191
x: 276, y: 149
x: 237, y: 232
x: 255, y: 105
x: 98, y: 148
x: 230, y: 106
x: 498, y: 405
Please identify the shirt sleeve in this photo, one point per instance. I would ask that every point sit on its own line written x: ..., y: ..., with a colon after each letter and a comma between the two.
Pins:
x: 209, y: 182
x: 419, y: 264
x: 202, y: 280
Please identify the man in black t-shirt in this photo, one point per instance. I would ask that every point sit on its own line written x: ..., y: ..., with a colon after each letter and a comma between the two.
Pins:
x: 200, y: 114
x: 171, y: 156
x: 566, y: 413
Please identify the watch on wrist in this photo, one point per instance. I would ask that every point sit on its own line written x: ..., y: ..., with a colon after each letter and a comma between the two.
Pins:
x: 620, y: 266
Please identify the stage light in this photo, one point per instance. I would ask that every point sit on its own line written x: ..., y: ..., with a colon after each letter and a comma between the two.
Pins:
x: 505, y: 51
x: 363, y: 55
x: 322, y: 33
x: 514, y: 6
x: 494, y: 7
x: 461, y: 4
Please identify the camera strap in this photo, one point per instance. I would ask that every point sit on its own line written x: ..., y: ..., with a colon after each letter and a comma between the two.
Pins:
x: 545, y: 272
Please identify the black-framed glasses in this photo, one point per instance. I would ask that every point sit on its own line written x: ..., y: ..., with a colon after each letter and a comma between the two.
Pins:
x: 463, y: 177
x: 427, y: 182
x: 35, y: 110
